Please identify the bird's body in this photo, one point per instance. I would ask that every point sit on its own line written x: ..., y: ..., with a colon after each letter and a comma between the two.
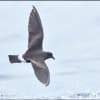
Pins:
x: 35, y: 54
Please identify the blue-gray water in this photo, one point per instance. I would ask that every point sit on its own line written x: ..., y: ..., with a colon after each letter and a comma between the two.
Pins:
x: 71, y: 32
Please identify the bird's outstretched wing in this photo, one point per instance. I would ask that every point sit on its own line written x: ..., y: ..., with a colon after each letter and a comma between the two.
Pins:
x: 34, y: 45
x: 35, y: 37
x: 42, y: 74
x: 35, y: 30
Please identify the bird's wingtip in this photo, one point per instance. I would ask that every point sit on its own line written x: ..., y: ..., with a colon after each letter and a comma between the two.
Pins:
x: 46, y: 85
x: 33, y: 7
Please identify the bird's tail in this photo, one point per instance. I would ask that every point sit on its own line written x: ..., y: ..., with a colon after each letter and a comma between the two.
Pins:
x: 14, y: 59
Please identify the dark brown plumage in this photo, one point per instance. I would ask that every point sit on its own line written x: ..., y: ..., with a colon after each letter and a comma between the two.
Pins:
x: 35, y: 54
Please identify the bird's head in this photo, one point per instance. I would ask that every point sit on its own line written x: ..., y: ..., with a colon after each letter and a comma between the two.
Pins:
x: 50, y: 55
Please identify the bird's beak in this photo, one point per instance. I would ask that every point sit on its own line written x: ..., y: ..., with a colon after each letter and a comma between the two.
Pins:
x: 53, y: 58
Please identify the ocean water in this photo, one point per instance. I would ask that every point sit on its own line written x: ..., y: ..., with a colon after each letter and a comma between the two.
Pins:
x: 71, y: 32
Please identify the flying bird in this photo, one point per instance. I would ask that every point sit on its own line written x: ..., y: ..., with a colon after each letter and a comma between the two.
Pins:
x: 35, y: 54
